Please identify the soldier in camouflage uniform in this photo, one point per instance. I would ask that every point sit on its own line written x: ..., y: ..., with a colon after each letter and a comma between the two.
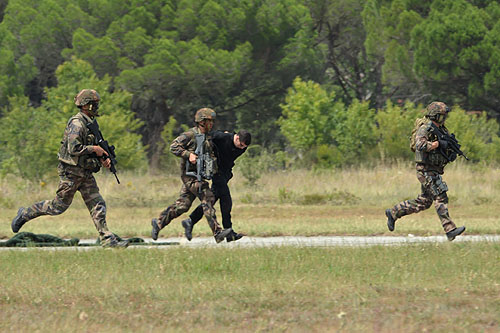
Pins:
x: 79, y: 157
x: 430, y: 165
x: 184, y: 147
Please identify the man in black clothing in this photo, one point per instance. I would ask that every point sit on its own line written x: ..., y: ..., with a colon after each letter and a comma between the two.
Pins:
x: 228, y: 147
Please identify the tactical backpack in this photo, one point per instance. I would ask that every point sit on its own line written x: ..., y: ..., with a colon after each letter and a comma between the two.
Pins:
x: 418, y: 123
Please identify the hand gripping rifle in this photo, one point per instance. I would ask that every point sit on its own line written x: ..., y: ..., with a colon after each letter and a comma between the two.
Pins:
x: 94, y: 129
x: 204, y: 162
x: 447, y: 142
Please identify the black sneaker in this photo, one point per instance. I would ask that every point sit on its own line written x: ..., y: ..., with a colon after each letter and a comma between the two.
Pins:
x: 188, y: 228
x: 454, y: 233
x: 234, y: 236
x: 219, y: 236
x: 390, y: 220
x: 18, y: 221
x: 156, y: 229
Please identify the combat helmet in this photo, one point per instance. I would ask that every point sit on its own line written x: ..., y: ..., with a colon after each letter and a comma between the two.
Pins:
x: 204, y: 113
x: 437, y: 111
x: 86, y: 96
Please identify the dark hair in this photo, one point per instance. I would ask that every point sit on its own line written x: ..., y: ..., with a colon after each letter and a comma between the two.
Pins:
x: 245, y: 137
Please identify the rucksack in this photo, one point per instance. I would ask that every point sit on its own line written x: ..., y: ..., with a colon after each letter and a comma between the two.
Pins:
x: 418, y: 123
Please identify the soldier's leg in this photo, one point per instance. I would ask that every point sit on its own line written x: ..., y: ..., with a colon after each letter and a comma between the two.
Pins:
x: 207, y: 199
x: 96, y: 205
x: 422, y: 202
x: 207, y: 202
x: 65, y: 192
x: 439, y: 188
x: 68, y: 184
x: 197, y: 214
x: 181, y: 205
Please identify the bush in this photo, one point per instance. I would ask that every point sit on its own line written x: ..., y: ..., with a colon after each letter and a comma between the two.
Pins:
x: 394, y: 127
x: 32, y: 135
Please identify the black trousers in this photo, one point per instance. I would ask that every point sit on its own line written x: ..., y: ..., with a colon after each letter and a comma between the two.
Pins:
x: 222, y: 193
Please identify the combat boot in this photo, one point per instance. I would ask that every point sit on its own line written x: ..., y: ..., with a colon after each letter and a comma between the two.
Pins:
x: 188, y: 228
x: 156, y: 229
x: 390, y: 220
x: 114, y: 241
x: 234, y: 236
x: 221, y: 234
x: 454, y: 233
x: 19, y: 220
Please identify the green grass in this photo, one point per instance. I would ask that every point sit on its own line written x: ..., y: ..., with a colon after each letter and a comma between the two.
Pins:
x: 442, y: 287
x: 431, y: 287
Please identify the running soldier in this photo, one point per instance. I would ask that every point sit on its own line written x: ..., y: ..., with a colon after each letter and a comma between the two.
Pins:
x: 229, y: 146
x: 79, y: 157
x: 184, y: 146
x: 430, y: 163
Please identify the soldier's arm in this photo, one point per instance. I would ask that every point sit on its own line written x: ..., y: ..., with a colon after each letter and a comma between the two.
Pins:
x: 76, y: 141
x: 179, y: 145
x: 423, y: 142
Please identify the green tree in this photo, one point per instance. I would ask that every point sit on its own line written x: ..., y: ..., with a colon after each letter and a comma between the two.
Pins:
x: 354, y: 132
x: 394, y: 126
x: 477, y: 134
x: 33, y: 134
x: 309, y: 115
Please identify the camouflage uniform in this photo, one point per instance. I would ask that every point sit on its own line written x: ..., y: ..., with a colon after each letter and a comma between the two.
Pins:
x: 76, y: 165
x: 430, y: 166
x: 183, y: 146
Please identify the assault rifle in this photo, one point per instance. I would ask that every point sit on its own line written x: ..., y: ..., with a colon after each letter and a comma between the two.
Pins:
x: 447, y: 142
x: 110, y: 150
x: 204, y: 162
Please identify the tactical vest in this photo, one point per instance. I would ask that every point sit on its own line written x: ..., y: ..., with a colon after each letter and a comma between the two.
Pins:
x: 86, y: 161
x: 191, y: 147
x: 433, y: 157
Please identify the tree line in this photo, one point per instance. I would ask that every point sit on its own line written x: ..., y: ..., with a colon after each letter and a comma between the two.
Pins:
x: 158, y: 61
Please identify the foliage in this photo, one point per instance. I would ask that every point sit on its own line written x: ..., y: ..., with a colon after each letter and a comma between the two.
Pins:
x: 309, y: 115
x: 244, y: 57
x: 313, y: 119
x: 168, y: 160
x: 33, y: 134
x: 394, y: 127
x: 477, y: 134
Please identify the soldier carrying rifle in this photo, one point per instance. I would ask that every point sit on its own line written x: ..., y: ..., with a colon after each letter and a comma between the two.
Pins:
x: 80, y: 156
x: 198, y: 165
x: 434, y: 147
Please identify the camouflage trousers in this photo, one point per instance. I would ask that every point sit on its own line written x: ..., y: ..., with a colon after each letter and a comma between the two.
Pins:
x: 433, y: 190
x: 189, y: 192
x: 69, y: 183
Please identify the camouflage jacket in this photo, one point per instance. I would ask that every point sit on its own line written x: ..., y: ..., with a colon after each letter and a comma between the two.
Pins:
x: 76, y: 145
x: 185, y: 144
x: 427, y: 159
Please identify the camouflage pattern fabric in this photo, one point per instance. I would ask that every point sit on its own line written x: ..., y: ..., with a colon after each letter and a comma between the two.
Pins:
x: 189, y: 192
x: 69, y: 183
x: 28, y: 239
x: 185, y: 144
x: 76, y: 145
x: 433, y: 190
x: 86, y: 96
x: 428, y: 159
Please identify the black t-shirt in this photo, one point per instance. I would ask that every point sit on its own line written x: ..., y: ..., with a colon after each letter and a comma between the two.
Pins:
x: 226, y: 153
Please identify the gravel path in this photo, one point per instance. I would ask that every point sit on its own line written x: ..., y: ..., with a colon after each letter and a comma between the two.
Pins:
x: 300, y: 241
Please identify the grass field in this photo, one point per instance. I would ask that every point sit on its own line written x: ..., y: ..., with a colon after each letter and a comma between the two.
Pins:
x: 414, y: 288
x: 446, y: 288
